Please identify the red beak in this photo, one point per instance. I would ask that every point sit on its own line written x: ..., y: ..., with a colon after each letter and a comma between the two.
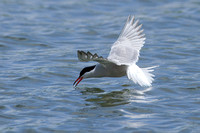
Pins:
x: 78, y: 80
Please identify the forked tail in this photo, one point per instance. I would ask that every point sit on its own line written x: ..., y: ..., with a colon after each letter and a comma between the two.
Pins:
x: 141, y: 76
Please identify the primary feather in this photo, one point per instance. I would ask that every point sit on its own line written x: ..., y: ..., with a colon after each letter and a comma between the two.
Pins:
x: 85, y: 57
x: 126, y: 49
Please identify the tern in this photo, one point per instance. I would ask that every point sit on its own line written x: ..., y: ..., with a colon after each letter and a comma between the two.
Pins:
x: 122, y: 58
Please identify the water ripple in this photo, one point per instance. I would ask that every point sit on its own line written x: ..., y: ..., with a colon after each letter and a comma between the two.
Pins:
x: 38, y: 65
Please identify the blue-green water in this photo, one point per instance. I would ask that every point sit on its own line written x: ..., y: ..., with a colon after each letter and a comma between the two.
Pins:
x: 38, y: 64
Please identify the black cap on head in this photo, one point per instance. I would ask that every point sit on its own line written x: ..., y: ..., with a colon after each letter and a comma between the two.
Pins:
x: 86, y: 69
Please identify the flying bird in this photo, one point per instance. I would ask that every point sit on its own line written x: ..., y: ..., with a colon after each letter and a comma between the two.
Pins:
x: 122, y: 58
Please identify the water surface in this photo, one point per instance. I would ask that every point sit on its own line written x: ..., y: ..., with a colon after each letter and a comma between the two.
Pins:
x: 38, y: 64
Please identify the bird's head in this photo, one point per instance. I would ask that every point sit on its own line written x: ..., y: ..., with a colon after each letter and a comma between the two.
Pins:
x: 85, y: 73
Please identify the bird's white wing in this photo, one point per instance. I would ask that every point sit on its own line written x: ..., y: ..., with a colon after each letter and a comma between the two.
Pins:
x: 85, y: 57
x: 126, y: 49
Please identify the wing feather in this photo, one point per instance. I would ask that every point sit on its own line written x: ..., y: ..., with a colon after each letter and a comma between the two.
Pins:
x: 85, y: 57
x: 126, y: 49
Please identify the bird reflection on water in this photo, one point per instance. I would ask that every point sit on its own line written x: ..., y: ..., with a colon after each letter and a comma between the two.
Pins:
x: 104, y: 104
x: 114, y: 98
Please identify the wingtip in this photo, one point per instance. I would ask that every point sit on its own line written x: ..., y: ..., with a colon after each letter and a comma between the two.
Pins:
x: 131, y: 19
x: 129, y: 16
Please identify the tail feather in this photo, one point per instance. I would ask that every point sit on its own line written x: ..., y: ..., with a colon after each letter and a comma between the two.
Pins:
x: 141, y: 76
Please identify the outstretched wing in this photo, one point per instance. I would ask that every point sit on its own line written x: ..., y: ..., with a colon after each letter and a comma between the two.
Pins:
x: 126, y: 49
x: 85, y: 57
